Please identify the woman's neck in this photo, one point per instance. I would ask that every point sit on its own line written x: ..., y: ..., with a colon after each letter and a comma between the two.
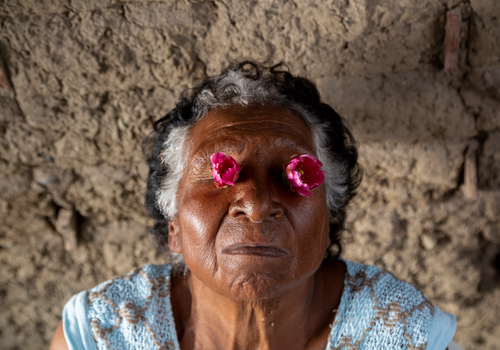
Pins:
x: 298, y: 319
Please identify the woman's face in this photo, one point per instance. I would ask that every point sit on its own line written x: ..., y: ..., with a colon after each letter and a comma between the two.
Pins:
x: 257, y: 239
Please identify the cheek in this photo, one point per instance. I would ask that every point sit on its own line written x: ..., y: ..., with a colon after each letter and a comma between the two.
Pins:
x: 312, y: 227
x: 199, y: 220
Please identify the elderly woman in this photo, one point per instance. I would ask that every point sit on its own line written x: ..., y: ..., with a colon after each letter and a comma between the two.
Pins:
x: 250, y: 176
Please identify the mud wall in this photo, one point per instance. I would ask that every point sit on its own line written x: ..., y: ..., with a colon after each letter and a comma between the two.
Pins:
x: 82, y: 81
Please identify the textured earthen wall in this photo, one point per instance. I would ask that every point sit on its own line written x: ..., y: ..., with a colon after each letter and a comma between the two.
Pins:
x: 85, y: 79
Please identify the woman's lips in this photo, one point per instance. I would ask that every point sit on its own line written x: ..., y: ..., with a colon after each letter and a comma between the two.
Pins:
x: 260, y: 250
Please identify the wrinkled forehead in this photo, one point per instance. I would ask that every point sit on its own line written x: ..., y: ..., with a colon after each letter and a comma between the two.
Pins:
x: 234, y: 127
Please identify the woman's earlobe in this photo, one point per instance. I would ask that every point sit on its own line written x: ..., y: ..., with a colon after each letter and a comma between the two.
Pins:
x: 174, y: 239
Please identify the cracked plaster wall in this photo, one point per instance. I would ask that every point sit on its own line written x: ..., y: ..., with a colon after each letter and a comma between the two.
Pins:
x: 88, y: 78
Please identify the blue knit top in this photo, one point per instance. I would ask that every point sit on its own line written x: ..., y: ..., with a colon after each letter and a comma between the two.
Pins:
x: 376, y: 312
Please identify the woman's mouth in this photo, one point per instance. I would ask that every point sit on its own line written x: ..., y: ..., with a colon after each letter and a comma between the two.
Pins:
x: 259, y: 250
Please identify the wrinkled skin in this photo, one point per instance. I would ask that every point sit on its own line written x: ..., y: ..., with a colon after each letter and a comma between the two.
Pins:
x: 255, y: 247
x: 258, y: 211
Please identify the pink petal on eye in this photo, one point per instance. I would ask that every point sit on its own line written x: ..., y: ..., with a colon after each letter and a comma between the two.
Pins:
x: 225, y: 170
x: 304, y: 192
x: 304, y: 173
x: 217, y: 157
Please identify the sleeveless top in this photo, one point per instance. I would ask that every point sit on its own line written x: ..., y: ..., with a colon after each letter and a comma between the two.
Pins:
x: 376, y: 311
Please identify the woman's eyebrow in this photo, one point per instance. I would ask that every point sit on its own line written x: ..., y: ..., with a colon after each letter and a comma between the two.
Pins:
x: 201, y: 159
x: 230, y: 146
x: 284, y: 142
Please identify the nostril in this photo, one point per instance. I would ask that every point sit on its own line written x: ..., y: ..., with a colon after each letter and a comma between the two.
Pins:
x: 278, y: 214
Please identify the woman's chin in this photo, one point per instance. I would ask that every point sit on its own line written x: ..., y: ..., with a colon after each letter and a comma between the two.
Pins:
x: 254, y: 286
x: 255, y: 277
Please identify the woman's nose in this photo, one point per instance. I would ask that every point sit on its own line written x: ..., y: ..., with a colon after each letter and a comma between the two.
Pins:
x: 254, y: 199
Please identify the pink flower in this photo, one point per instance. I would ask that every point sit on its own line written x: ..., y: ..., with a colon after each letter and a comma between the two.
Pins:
x: 304, y: 173
x: 225, y: 170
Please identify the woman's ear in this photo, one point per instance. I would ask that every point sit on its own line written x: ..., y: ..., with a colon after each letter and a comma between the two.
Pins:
x: 174, y: 237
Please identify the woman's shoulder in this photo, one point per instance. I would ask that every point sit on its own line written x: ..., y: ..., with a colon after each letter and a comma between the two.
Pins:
x: 383, y: 287
x: 374, y: 303
x: 119, y: 306
x: 368, y: 286
x: 135, y: 283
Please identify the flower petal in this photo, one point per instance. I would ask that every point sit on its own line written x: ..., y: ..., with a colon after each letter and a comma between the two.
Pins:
x: 225, y: 170
x: 304, y: 173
